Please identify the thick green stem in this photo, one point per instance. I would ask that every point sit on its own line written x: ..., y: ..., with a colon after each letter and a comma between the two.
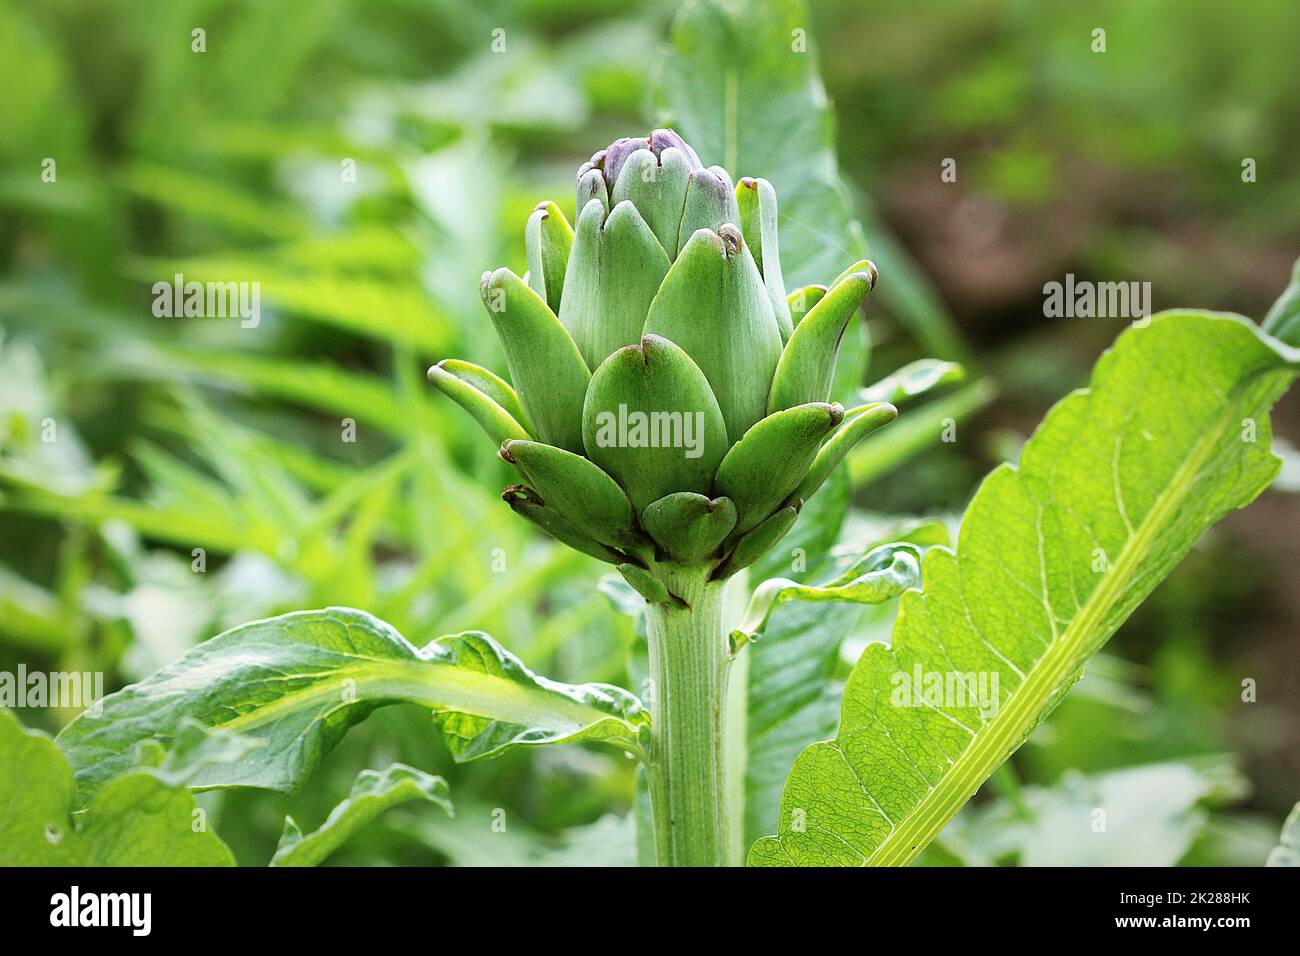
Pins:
x: 688, y: 771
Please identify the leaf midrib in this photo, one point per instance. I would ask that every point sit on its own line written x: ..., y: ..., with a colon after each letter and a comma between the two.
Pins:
x: 989, y: 748
x: 439, y: 687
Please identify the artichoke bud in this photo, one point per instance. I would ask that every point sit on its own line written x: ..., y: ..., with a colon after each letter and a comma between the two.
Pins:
x: 768, y: 463
x: 615, y: 269
x: 656, y: 185
x: 706, y: 422
x: 710, y: 202
x: 752, y: 546
x: 802, y: 300
x: 547, y: 240
x: 591, y: 185
x: 527, y: 504
x: 611, y: 160
x: 577, y: 490
x: 756, y: 200
x: 545, y: 365
x: 713, y: 304
x: 689, y: 527
x: 807, y: 366
x: 662, y: 139
x: 491, y: 401
x: 651, y: 421
x: 858, y: 424
x: 615, y: 155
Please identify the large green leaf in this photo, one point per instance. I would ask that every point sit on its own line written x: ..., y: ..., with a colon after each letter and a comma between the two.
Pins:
x: 736, y: 88
x: 297, y: 682
x: 556, y: 713
x: 741, y: 84
x: 145, y: 817
x: 1119, y: 481
x: 371, y: 794
x: 793, y: 697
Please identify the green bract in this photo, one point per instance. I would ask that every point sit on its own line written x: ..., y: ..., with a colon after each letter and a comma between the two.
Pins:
x: 670, y: 402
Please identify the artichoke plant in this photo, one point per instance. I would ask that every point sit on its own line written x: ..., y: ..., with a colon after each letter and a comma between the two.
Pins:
x: 669, y: 412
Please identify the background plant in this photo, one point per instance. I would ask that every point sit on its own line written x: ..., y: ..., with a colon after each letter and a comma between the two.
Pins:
x: 99, y: 531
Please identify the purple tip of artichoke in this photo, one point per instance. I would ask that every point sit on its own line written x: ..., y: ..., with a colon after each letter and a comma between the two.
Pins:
x: 610, y: 160
x: 662, y: 139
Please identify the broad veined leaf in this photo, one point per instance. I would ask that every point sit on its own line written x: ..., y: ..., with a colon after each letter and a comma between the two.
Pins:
x: 1118, y: 482
x: 740, y: 79
x: 793, y: 697
x: 372, y: 793
x: 193, y: 748
x: 145, y: 817
x: 781, y: 692
x: 597, y: 712
x: 297, y: 682
x: 733, y: 84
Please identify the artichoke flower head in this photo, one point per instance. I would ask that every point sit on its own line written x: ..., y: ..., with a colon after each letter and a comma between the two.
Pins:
x: 668, y: 402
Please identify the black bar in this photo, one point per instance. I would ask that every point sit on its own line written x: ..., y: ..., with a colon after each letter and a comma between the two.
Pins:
x: 381, y: 907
